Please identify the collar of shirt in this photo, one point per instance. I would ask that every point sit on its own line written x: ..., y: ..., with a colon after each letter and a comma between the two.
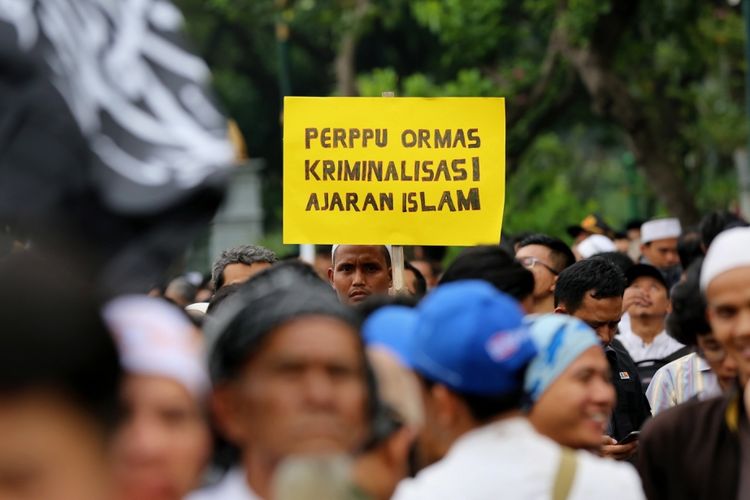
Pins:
x: 233, y: 486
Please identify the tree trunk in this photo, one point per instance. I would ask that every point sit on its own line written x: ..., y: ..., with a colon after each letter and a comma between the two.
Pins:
x: 647, y: 140
x: 345, y: 64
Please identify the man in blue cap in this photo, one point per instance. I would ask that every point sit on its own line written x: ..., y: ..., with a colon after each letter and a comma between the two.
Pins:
x: 470, y: 350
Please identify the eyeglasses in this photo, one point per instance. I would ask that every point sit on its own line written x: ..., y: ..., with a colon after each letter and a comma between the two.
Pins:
x: 530, y: 262
x: 713, y: 354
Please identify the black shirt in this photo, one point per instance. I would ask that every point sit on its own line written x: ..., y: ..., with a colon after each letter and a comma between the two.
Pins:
x: 632, y: 407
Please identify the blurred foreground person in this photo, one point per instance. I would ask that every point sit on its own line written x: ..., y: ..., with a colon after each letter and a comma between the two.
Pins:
x: 699, y: 375
x: 290, y: 378
x: 701, y: 449
x: 358, y: 271
x: 59, y: 384
x: 568, y: 382
x: 475, y: 435
x: 163, y: 443
x: 592, y: 290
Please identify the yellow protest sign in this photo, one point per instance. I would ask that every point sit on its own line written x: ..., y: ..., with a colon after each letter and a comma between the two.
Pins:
x: 402, y: 171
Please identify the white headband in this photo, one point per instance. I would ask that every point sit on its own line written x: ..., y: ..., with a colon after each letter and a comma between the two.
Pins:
x: 729, y: 250
x: 154, y: 338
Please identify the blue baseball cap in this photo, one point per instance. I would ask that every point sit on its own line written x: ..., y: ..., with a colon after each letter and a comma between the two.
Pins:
x: 392, y: 328
x: 471, y: 338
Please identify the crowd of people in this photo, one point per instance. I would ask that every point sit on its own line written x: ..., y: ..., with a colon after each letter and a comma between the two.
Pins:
x: 521, y: 370
x: 612, y: 368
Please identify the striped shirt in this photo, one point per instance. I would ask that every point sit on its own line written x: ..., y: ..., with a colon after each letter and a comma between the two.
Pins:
x: 681, y: 380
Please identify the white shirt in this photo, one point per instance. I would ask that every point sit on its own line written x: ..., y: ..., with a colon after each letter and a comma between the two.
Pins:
x: 662, y: 346
x: 510, y: 460
x: 681, y: 380
x: 233, y: 486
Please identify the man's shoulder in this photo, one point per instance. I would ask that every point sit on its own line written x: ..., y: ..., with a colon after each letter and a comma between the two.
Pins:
x: 680, y: 420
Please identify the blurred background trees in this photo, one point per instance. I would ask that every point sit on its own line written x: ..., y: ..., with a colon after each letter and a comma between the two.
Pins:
x: 631, y: 108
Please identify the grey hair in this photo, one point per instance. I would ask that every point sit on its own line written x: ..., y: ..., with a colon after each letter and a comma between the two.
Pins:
x: 243, y: 254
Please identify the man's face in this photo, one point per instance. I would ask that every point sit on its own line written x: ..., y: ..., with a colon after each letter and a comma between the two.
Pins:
x: 240, y: 273
x: 358, y: 272
x: 728, y: 299
x: 410, y: 282
x: 725, y: 367
x: 50, y: 449
x: 602, y: 315
x: 575, y: 408
x: 163, y: 443
x: 651, y: 297
x: 425, y: 268
x: 538, y: 259
x: 662, y: 253
x: 304, y: 392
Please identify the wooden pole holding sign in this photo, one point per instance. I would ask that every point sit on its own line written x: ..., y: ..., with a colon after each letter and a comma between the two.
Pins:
x: 397, y: 251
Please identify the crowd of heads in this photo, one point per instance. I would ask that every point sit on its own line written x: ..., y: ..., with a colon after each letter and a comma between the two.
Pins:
x: 252, y: 378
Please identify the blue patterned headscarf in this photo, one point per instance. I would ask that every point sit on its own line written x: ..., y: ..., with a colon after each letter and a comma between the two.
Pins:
x: 559, y: 340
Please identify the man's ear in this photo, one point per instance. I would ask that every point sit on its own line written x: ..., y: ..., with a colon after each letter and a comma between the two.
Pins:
x: 390, y: 273
x: 445, y: 405
x: 560, y: 309
x: 226, y: 409
x: 330, y: 275
x: 554, y: 284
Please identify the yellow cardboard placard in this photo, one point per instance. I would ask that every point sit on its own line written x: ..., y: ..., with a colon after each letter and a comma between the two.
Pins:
x: 394, y: 170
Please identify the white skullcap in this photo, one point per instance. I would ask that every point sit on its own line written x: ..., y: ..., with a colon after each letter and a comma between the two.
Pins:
x: 154, y: 338
x: 594, y: 244
x: 660, y: 229
x: 728, y: 251
x: 201, y: 307
x: 387, y: 247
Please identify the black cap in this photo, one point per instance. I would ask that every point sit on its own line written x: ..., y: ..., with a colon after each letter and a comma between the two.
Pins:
x: 638, y: 270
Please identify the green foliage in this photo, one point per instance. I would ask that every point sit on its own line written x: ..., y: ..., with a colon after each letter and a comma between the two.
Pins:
x: 683, y: 61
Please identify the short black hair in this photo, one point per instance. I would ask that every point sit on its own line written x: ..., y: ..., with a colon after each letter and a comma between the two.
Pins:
x: 621, y: 260
x: 221, y: 295
x: 421, y: 285
x: 717, y: 221
x: 561, y: 253
x: 485, y: 408
x: 383, y: 248
x: 689, y: 248
x: 688, y: 320
x: 54, y: 338
x: 243, y: 254
x: 599, y: 276
x: 245, y: 321
x: 493, y: 265
x: 377, y: 301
